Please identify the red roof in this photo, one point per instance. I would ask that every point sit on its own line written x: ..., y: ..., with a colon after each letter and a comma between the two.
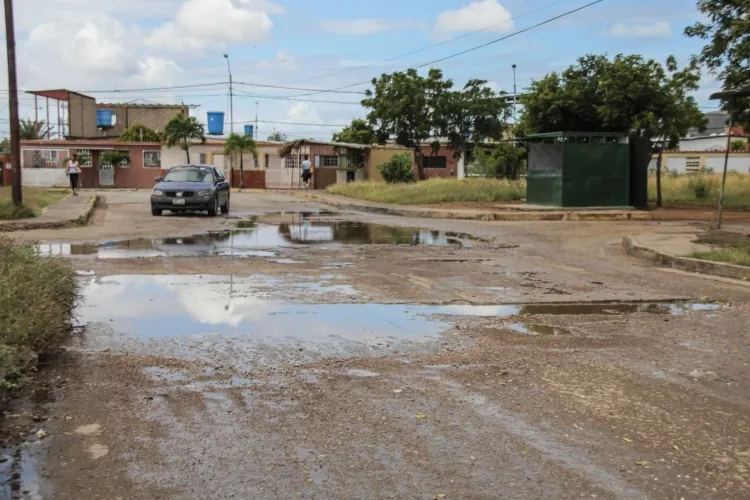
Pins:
x: 84, y: 142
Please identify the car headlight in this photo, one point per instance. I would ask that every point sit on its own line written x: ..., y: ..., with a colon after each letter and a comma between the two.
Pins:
x: 156, y: 192
x: 204, y: 193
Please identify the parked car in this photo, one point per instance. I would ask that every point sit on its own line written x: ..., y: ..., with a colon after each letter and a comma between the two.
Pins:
x: 187, y: 188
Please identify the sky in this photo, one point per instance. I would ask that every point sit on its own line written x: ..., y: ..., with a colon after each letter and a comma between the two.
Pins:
x: 111, y: 49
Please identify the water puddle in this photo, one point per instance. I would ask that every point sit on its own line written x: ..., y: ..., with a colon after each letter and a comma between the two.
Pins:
x: 536, y: 329
x: 151, y: 307
x: 20, y: 478
x: 256, y: 241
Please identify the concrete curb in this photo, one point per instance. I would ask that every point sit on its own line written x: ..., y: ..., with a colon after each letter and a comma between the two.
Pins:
x: 509, y: 216
x: 634, y: 249
x: 31, y: 224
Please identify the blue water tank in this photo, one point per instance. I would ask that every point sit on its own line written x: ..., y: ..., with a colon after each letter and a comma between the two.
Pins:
x: 249, y: 130
x: 104, y: 118
x: 215, y: 122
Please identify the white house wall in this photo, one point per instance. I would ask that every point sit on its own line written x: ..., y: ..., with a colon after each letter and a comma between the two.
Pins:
x: 718, y: 143
x: 676, y: 164
x: 739, y: 164
x: 44, y: 177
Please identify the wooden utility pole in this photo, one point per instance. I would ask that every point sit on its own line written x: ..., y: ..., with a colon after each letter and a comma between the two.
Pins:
x: 15, y: 139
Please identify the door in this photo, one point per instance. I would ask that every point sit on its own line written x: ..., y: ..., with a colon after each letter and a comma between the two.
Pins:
x: 106, y: 175
x: 220, y: 162
x: 222, y: 188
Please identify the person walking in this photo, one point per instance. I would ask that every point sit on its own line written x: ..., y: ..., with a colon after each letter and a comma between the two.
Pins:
x: 306, y: 172
x: 73, y: 170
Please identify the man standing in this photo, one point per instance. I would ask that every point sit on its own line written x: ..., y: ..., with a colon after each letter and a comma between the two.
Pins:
x: 306, y: 172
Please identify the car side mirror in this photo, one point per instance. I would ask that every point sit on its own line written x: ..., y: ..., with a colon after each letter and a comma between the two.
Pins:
x: 159, y: 179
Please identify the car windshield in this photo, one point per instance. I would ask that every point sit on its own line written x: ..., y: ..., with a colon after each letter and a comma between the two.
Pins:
x: 189, y: 174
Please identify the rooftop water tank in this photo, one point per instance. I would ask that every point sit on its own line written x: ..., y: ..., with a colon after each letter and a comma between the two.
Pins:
x: 249, y: 130
x: 215, y: 122
x: 105, y: 118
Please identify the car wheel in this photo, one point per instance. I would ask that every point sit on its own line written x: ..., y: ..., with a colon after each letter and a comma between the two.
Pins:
x: 155, y: 211
x: 214, y: 210
x: 225, y: 207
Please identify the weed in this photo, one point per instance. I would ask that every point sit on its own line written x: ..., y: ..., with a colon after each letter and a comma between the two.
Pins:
x: 703, y: 189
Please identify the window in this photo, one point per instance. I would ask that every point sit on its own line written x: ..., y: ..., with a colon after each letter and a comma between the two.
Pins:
x: 692, y: 164
x: 152, y: 159
x: 329, y: 161
x: 203, y: 159
x: 86, y: 155
x: 434, y: 162
x: 266, y: 161
x: 45, y: 158
x: 293, y: 161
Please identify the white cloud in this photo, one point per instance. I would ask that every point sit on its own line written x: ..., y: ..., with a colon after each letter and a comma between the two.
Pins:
x: 364, y: 25
x: 487, y: 14
x: 284, y: 61
x: 660, y: 28
x: 199, y: 24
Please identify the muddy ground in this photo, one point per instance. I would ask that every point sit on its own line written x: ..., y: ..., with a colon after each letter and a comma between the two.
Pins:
x: 305, y: 357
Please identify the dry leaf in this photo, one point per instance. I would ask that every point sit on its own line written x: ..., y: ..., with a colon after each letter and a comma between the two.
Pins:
x: 420, y: 416
x: 642, y: 462
x: 735, y: 351
x: 473, y: 457
x: 627, y: 440
x: 40, y: 434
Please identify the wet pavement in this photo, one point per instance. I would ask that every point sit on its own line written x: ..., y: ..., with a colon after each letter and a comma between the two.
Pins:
x: 363, y: 356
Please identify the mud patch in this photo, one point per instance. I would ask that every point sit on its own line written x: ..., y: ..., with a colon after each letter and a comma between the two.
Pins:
x: 537, y: 329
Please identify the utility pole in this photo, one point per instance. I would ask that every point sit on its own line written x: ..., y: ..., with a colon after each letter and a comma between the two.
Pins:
x: 515, y: 96
x: 256, y: 120
x: 15, y: 139
x: 231, y: 96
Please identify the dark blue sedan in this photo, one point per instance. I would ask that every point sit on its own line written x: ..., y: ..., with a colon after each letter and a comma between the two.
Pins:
x: 192, y: 188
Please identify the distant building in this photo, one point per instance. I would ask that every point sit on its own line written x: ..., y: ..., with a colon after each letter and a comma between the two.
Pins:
x: 154, y: 116
x: 714, y: 138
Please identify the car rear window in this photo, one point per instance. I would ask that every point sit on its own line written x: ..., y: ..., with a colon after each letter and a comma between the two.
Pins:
x: 189, y: 174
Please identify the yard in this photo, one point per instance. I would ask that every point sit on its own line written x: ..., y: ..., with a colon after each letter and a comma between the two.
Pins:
x: 702, y: 189
x: 733, y: 248
x: 435, y: 191
x: 34, y: 201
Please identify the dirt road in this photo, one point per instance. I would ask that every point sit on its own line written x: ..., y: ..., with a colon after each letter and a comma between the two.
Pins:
x: 327, y: 355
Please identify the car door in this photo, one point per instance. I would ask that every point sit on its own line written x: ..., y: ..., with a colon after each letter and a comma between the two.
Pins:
x: 222, y: 188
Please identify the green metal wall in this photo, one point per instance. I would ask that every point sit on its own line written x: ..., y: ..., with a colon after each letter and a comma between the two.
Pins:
x: 596, y: 175
x: 544, y: 177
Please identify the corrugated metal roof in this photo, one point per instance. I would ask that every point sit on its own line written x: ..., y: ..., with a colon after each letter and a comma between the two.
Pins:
x: 79, y: 142
x: 130, y: 105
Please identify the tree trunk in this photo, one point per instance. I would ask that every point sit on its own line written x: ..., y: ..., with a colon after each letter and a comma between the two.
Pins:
x: 420, y: 166
x: 658, y: 176
x: 187, y: 152
x: 242, y: 177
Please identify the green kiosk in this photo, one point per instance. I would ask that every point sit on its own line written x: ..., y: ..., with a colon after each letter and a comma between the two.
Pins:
x: 578, y: 169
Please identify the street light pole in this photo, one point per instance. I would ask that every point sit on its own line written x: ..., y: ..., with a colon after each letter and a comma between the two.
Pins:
x: 15, y: 139
x: 231, y: 117
x: 514, y: 97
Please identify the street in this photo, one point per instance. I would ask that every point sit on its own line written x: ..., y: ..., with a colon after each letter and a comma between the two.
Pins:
x: 290, y: 351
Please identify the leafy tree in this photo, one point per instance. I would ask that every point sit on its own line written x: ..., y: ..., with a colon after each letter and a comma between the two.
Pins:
x: 727, y: 30
x: 472, y: 115
x: 140, y: 133
x: 738, y: 145
x: 358, y: 132
x: 397, y: 169
x: 241, y: 143
x: 183, y: 130
x: 5, y: 147
x: 30, y: 130
x: 113, y: 158
x: 505, y: 160
x: 624, y: 94
x: 407, y: 106
x: 278, y: 137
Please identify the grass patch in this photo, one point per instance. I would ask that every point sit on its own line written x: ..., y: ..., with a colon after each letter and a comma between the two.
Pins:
x: 34, y: 201
x: 702, y: 190
x: 37, y: 297
x: 249, y: 223
x: 434, y: 191
x: 733, y: 248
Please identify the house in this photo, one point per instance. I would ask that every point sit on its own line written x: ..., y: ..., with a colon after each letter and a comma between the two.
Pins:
x: 154, y: 116
x: 714, y: 138
x: 687, y: 162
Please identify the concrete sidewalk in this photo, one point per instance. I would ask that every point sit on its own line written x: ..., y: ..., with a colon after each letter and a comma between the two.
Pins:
x: 517, y: 213
x: 70, y: 211
x: 671, y: 250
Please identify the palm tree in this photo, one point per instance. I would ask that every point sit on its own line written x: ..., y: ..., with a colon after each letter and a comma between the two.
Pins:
x: 183, y: 130
x: 277, y: 136
x: 241, y: 143
x: 30, y: 130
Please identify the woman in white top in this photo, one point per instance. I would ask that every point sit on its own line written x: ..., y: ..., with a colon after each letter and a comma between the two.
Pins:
x: 73, y: 169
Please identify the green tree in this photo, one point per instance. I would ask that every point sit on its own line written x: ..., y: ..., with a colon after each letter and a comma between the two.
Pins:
x: 472, y: 115
x: 30, y: 130
x: 358, y: 132
x: 183, y: 130
x: 241, y: 143
x: 407, y: 106
x: 5, y: 147
x: 726, y: 28
x: 397, y: 169
x: 504, y: 160
x: 738, y: 145
x: 277, y: 136
x: 113, y: 158
x: 140, y: 133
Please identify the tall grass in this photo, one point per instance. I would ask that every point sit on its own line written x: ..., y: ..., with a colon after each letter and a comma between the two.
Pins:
x: 702, y: 189
x: 37, y: 297
x: 434, y: 191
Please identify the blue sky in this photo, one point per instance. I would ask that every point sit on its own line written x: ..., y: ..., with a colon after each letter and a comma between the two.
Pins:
x: 89, y: 45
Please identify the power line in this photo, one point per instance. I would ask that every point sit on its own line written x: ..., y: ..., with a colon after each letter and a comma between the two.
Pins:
x: 284, y: 87
x: 423, y: 49
x: 515, y: 33
x: 291, y: 123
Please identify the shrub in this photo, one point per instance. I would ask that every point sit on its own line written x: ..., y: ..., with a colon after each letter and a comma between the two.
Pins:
x: 397, y: 169
x: 11, y: 211
x: 37, y: 297
x: 503, y: 161
x: 703, y: 186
